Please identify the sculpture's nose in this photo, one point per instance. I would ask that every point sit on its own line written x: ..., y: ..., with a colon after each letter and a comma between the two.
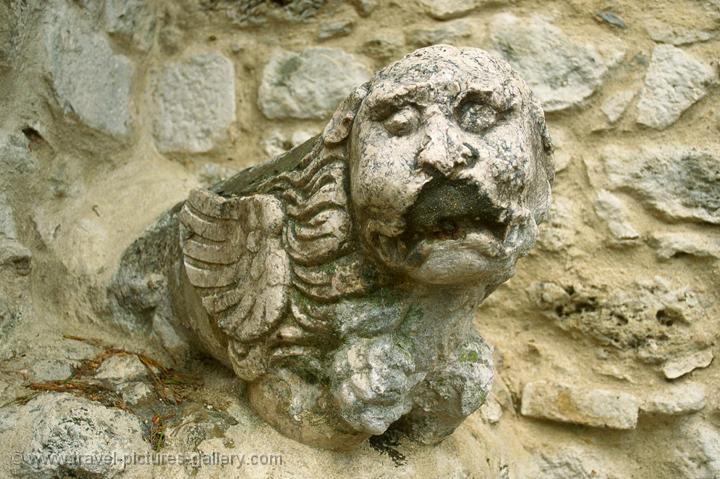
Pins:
x: 443, y: 149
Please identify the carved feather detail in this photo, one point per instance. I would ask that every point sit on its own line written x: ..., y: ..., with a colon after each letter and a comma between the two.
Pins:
x: 234, y: 257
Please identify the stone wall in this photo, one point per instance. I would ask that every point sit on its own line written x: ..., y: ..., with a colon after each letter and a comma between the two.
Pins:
x: 112, y: 110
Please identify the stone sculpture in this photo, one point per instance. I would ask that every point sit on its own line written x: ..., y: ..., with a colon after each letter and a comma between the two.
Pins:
x: 340, y: 279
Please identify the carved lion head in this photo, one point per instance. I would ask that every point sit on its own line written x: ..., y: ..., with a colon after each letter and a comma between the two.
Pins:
x: 450, y: 165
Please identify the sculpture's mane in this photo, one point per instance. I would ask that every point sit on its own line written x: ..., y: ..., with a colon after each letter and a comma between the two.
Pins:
x: 319, y: 232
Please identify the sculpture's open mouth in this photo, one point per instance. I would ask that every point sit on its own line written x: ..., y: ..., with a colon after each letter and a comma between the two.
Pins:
x: 452, y: 210
x: 450, y: 217
x: 455, y: 228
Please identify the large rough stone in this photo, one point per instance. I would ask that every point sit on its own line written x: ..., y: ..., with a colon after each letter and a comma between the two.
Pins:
x: 132, y: 20
x: 308, y: 84
x: 610, y: 208
x: 669, y: 245
x: 651, y: 319
x: 90, y: 81
x: 561, y: 72
x: 676, y: 400
x: 673, y: 82
x: 194, y: 103
x: 678, y: 182
x: 60, y: 435
x: 577, y: 405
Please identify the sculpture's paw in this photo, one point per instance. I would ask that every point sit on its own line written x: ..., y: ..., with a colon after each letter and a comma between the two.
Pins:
x: 373, y: 378
x: 450, y: 393
x: 458, y: 387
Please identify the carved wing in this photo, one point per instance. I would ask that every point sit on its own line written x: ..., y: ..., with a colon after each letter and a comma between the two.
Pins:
x: 234, y: 258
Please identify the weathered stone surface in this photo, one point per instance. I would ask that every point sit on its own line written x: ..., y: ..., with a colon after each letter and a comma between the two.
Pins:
x: 135, y: 392
x: 283, y: 267
x: 448, y: 9
x: 211, y: 173
x: 697, y: 451
x: 610, y: 208
x: 335, y: 29
x: 12, y: 252
x: 615, y: 106
x: 611, y: 18
x: 491, y: 411
x: 674, y: 34
x: 194, y: 101
x: 122, y: 368
x: 364, y: 7
x: 682, y: 365
x: 174, y: 341
x: 651, y: 319
x: 90, y: 81
x: 15, y: 254
x: 681, y: 399
x: 563, y: 143
x: 669, y: 245
x: 16, y: 161
x: 676, y: 181
x: 383, y: 46
x: 450, y: 33
x: 54, y: 430
x: 51, y: 370
x: 253, y: 13
x: 559, y: 233
x: 573, y: 462
x: 278, y: 143
x: 673, y: 82
x: 561, y: 72
x: 133, y: 20
x: 5, y: 39
x: 308, y: 84
x: 578, y: 405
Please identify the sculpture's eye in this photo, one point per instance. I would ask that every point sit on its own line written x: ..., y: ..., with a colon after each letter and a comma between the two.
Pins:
x: 402, y: 122
x: 476, y: 117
